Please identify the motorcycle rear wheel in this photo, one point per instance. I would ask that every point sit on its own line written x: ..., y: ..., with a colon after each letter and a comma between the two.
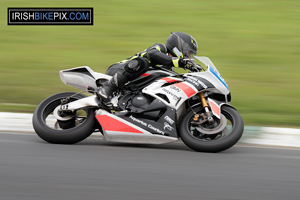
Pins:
x: 213, y: 143
x: 78, y: 126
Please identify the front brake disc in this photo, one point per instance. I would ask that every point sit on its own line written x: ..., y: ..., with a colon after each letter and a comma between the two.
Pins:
x: 218, y: 127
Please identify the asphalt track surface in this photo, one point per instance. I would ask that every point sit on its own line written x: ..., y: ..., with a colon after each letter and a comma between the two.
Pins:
x: 31, y: 169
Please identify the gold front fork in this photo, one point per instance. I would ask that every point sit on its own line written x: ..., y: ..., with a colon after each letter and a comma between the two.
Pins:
x: 203, y: 100
x: 205, y: 106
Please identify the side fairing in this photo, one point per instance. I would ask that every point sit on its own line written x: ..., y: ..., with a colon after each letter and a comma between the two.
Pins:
x: 119, y: 128
x: 170, y: 91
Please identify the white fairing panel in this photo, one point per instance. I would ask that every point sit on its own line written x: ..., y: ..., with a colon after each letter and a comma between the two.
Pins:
x: 172, y: 95
x: 81, y: 77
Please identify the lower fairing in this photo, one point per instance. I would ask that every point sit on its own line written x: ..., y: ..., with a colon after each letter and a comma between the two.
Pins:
x: 116, y: 129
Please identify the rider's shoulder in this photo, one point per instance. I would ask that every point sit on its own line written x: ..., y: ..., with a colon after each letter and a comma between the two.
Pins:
x: 159, y: 46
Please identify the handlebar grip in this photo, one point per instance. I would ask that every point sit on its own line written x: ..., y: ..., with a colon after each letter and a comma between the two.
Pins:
x: 89, y: 88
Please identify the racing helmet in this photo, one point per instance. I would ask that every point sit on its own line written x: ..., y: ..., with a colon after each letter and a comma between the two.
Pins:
x: 181, y: 45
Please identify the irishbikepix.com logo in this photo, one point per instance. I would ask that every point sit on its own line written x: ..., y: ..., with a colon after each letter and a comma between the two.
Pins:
x: 50, y: 16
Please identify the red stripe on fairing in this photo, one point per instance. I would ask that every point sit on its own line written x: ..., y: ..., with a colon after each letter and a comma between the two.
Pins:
x: 189, y: 91
x: 145, y: 74
x: 111, y: 124
x: 168, y: 80
x: 215, y: 108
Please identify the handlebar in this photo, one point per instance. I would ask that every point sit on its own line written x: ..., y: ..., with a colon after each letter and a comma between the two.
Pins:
x: 192, y: 66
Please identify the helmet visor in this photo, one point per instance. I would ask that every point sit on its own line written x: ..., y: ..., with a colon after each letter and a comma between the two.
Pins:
x: 189, y: 51
x: 190, y: 54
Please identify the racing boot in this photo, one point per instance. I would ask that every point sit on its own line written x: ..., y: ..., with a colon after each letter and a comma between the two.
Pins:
x: 118, y: 80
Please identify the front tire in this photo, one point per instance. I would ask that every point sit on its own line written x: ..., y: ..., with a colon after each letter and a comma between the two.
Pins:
x: 80, y: 125
x: 221, y: 141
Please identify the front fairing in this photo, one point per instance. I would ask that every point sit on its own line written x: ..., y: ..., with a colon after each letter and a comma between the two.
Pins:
x: 208, y: 81
x: 212, y: 78
x: 174, y: 91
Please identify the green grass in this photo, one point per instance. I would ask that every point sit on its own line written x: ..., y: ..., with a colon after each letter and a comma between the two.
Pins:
x: 26, y: 108
x: 255, y: 45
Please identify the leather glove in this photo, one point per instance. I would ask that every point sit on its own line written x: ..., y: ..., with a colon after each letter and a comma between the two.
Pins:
x: 185, y: 63
x: 180, y: 62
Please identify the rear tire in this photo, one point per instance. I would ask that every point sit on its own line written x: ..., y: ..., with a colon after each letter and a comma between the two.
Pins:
x: 69, y: 134
x: 215, y: 142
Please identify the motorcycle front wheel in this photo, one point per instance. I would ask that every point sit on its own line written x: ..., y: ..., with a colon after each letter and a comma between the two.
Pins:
x: 199, y: 138
x: 69, y: 127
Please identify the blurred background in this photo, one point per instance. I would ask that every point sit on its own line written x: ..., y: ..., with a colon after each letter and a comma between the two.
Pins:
x: 255, y: 45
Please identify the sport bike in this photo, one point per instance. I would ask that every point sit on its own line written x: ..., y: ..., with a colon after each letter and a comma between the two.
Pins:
x: 160, y: 106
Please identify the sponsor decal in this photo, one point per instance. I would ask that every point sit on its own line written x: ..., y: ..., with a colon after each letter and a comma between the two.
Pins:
x: 150, y: 126
x: 155, y: 129
x: 196, y: 81
x: 168, y: 126
x: 137, y: 120
x: 188, y: 90
x: 175, y: 97
x: 168, y: 119
x: 50, y: 16
x: 175, y: 88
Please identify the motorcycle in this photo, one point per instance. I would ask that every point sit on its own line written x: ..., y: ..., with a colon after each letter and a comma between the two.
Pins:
x: 160, y: 106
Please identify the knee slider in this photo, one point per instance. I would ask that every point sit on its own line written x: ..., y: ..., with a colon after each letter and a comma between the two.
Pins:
x: 136, y: 64
x: 132, y: 66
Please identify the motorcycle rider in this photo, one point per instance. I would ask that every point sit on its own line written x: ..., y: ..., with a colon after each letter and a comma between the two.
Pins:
x: 176, y: 53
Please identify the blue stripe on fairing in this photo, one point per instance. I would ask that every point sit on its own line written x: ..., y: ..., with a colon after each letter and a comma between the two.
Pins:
x: 216, y: 74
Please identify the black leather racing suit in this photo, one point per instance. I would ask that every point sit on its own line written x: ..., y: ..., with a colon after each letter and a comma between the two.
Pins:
x: 153, y: 56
